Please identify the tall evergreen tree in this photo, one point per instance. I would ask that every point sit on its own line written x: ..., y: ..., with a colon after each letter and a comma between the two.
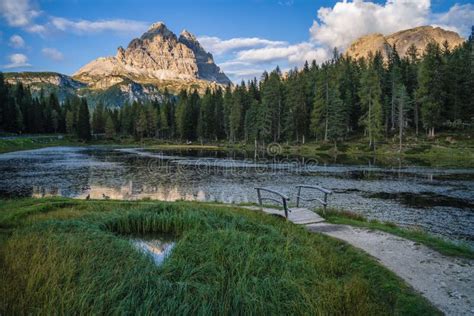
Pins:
x: 98, y: 119
x: 296, y: 115
x: 83, y: 121
x: 430, y: 92
x: 4, y: 99
x: 141, y: 124
x: 272, y: 98
x: 371, y: 101
x: 109, y: 127
x: 328, y: 115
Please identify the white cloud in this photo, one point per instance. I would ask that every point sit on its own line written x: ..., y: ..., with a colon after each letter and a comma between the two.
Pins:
x: 337, y: 26
x: 52, y: 53
x: 17, y: 61
x: 293, y: 54
x: 218, y: 46
x: 37, y: 28
x: 348, y: 20
x: 18, y: 12
x: 22, y: 13
x: 459, y: 18
x: 16, y: 41
x: 239, y: 70
x: 86, y: 26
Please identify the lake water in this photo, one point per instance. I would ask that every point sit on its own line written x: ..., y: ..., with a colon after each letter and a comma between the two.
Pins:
x: 158, y: 247
x: 440, y: 201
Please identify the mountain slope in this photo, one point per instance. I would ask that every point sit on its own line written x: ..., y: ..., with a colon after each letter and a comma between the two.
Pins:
x: 156, y: 57
x: 116, y: 91
x: 156, y: 61
x: 419, y: 36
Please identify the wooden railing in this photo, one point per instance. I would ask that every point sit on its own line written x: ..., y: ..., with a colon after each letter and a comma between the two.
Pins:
x: 283, y: 199
x: 323, y: 201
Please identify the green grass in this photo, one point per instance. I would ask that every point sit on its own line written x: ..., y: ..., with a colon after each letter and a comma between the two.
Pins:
x: 441, y: 245
x: 27, y: 143
x: 446, y: 150
x: 61, y: 256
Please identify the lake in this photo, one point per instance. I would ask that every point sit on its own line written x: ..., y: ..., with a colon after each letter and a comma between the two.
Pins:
x: 437, y: 200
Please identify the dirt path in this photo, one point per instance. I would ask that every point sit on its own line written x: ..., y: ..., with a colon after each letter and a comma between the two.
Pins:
x: 447, y: 282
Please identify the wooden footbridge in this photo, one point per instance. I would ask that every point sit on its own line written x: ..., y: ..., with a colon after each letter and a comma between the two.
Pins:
x: 298, y: 215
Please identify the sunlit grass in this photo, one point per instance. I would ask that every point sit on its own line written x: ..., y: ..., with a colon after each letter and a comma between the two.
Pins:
x: 61, y: 256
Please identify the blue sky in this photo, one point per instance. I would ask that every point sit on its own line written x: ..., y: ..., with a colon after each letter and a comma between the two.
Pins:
x: 246, y: 36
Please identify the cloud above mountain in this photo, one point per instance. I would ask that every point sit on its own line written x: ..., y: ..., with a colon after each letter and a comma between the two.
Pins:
x: 245, y: 57
x: 337, y: 26
x: 25, y: 15
x: 17, y: 61
x: 346, y: 21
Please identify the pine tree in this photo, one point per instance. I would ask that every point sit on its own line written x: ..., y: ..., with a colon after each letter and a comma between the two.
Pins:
x: 394, y: 82
x: 430, y: 92
x: 296, y: 116
x: 227, y: 105
x: 235, y: 115
x: 349, y: 82
x: 165, y: 125
x: 460, y: 73
x: 328, y: 115
x: 219, y: 114
x: 70, y: 122
x: 98, y: 119
x: 109, y: 127
x: 180, y: 114
x: 141, y: 124
x: 206, y: 123
x: 272, y: 98
x: 370, y: 95
x: 83, y: 121
x: 3, y: 101
x: 403, y: 104
x: 152, y: 120
x: 57, y: 119
x: 409, y: 69
x: 126, y: 120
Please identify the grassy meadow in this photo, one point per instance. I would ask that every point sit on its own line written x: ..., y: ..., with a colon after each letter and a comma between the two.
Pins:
x: 447, y: 150
x: 64, y: 256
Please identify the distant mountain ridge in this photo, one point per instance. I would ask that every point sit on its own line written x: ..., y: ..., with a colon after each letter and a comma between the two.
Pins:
x: 418, y: 36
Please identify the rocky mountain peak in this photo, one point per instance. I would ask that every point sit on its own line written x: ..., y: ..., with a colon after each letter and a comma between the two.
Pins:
x: 158, y: 29
x: 185, y: 34
x: 157, y: 57
x: 418, y: 36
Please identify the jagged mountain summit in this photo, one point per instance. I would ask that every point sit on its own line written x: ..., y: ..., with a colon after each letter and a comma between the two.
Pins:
x: 418, y: 36
x: 157, y: 60
x: 157, y: 57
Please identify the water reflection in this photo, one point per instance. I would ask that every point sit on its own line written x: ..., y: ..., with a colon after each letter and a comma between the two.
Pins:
x: 437, y: 200
x: 157, y: 247
x: 139, y: 192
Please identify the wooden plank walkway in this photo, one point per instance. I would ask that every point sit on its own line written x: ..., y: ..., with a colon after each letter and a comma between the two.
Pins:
x: 299, y: 216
